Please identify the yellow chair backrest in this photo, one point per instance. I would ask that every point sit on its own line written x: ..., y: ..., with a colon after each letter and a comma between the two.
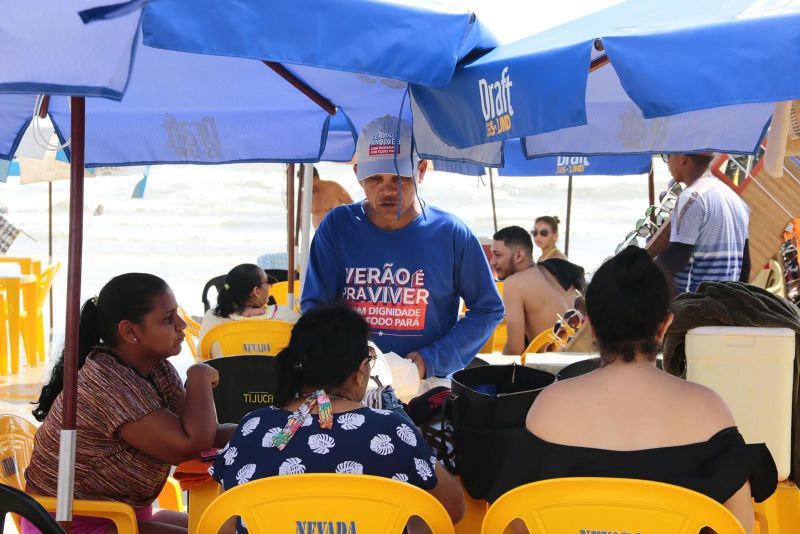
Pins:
x: 608, y: 505
x: 344, y: 504
x: 280, y: 292
x: 497, y: 340
x: 540, y: 343
x: 192, y: 331
x: 45, y: 281
x: 16, y: 447
x: 500, y: 332
x: 771, y: 279
x: 265, y: 337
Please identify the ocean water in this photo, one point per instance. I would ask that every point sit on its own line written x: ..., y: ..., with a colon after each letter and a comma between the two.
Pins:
x: 197, y: 222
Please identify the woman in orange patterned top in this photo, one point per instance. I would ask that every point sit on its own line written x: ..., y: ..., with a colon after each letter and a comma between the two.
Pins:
x: 135, y: 419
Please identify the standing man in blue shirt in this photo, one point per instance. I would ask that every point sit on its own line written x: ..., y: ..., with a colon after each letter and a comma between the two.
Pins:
x: 403, y: 267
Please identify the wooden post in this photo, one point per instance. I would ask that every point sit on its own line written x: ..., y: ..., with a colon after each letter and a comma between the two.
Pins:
x: 66, y: 461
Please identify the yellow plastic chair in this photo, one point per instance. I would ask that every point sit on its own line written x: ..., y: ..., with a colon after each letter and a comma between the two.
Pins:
x: 16, y: 448
x: 26, y: 265
x: 25, y: 327
x: 34, y: 318
x: 540, y: 344
x: 192, y: 332
x: 780, y: 514
x: 12, y: 286
x: 3, y: 334
x: 345, y: 503
x: 771, y: 279
x: 280, y: 292
x: 264, y: 337
x: 497, y: 340
x: 500, y: 335
x: 608, y: 505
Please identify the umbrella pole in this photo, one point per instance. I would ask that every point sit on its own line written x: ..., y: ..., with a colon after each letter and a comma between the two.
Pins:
x: 569, y: 215
x: 491, y: 188
x: 290, y: 230
x: 50, y: 249
x: 651, y: 187
x: 305, y: 243
x: 66, y: 455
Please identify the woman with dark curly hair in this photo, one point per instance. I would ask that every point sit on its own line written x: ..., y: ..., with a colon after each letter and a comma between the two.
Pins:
x: 630, y: 419
x: 319, y: 423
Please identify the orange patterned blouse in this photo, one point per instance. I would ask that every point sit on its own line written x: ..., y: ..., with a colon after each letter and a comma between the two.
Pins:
x: 110, y: 394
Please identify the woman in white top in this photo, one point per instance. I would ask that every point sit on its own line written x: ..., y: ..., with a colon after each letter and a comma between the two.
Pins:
x: 244, y: 296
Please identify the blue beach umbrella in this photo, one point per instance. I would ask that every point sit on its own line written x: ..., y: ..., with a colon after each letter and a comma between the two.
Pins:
x: 644, y: 76
x: 244, y: 96
x: 234, y: 97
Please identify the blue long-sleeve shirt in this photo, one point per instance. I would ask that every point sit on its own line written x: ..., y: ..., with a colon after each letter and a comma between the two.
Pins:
x: 407, y: 283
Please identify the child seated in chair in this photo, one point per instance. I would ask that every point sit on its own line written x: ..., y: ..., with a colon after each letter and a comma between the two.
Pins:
x: 319, y: 424
x: 135, y: 419
x: 244, y: 296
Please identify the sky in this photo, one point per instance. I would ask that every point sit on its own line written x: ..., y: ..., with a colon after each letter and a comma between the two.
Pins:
x: 512, y: 20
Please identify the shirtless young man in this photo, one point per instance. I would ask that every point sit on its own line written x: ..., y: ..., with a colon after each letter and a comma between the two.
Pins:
x: 531, y: 295
x: 327, y: 194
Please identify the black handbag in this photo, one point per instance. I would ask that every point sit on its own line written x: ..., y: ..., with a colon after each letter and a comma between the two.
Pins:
x: 486, y: 404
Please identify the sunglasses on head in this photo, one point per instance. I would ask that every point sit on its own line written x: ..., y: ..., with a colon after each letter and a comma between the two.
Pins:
x: 544, y: 232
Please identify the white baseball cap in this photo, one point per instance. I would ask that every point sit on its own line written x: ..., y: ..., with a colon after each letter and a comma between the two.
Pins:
x: 380, y: 141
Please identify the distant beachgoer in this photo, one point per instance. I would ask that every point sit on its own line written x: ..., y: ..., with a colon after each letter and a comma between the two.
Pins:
x: 243, y: 297
x: 569, y: 275
x: 327, y: 195
x: 325, y: 370
x: 630, y: 419
x: 135, y: 419
x: 545, y: 235
x: 709, y: 237
x: 98, y: 210
x: 532, y: 296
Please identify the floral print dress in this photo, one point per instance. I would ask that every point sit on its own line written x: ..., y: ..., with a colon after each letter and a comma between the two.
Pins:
x: 364, y: 441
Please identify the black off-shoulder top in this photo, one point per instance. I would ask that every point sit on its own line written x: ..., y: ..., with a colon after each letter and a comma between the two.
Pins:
x: 716, y: 468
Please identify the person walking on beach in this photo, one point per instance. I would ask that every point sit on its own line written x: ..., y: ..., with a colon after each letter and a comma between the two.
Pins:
x: 532, y: 297
x: 326, y: 195
x: 709, y: 239
x: 403, y: 268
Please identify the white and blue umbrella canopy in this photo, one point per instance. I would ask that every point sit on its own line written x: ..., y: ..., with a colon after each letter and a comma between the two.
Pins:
x: 682, y: 75
x: 199, y: 93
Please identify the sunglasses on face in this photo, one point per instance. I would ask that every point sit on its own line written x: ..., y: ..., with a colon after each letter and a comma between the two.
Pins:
x: 544, y: 233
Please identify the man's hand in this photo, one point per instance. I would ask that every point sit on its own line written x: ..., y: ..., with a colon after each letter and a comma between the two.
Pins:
x: 416, y: 357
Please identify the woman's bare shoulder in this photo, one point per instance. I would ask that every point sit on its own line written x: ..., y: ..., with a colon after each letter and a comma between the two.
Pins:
x: 703, y: 403
x: 553, y: 403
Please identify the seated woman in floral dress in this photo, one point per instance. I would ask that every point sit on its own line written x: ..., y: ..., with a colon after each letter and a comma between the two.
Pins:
x: 320, y: 424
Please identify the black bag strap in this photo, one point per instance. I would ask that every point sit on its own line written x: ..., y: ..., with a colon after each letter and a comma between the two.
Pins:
x: 446, y: 415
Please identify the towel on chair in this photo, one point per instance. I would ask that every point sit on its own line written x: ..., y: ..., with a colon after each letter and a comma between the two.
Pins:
x: 192, y: 473
x: 733, y: 304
